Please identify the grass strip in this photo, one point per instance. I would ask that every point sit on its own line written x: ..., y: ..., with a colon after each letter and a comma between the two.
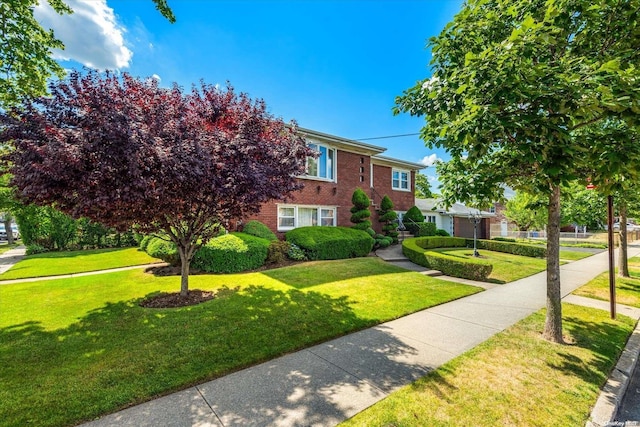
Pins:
x: 513, y: 379
x: 58, y: 263
x: 74, y: 349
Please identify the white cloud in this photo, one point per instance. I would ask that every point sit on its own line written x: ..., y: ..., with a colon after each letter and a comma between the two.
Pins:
x: 156, y: 77
x: 430, y: 160
x: 91, y: 34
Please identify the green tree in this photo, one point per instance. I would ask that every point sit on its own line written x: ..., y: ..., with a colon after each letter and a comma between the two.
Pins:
x: 512, y: 81
x: 26, y: 48
x: 388, y: 217
x: 423, y: 187
x: 360, y: 212
x: 582, y: 206
x: 527, y: 211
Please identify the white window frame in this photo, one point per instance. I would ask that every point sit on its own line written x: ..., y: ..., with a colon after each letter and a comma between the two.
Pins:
x: 321, y: 216
x: 330, y: 171
x: 430, y: 218
x: 400, y: 172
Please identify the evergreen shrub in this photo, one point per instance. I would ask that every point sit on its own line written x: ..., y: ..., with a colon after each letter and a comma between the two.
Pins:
x: 231, y: 253
x: 258, y: 229
x: 321, y: 243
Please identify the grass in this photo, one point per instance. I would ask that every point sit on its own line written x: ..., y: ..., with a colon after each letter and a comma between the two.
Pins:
x: 74, y: 349
x: 506, y: 267
x: 627, y: 288
x: 513, y: 379
x: 57, y: 263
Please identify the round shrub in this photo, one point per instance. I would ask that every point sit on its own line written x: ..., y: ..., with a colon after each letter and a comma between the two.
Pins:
x: 232, y: 253
x: 441, y: 232
x: 164, y: 250
x: 258, y: 229
x: 412, y: 218
x: 277, y: 252
x: 145, y: 242
x: 331, y: 242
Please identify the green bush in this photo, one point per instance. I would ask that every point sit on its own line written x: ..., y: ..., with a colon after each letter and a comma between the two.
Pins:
x: 145, y: 242
x: 441, y: 232
x: 295, y: 253
x: 425, y: 229
x: 36, y: 249
x: 412, y: 218
x: 331, y: 242
x: 164, y: 250
x: 258, y: 229
x: 277, y: 252
x: 511, y: 248
x: 432, y: 242
x: 232, y: 253
x: 504, y: 239
x: 452, y: 266
x: 389, y: 219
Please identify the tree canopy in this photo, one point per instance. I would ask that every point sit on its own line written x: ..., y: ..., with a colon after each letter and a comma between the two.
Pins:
x: 123, y: 151
x: 423, y: 187
x: 512, y: 83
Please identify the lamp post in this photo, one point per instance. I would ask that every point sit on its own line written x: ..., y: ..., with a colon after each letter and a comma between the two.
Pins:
x: 475, y: 218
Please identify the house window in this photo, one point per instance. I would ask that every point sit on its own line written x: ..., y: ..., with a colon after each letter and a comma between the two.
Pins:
x: 430, y: 218
x: 400, y: 180
x: 290, y: 217
x: 322, y: 166
x: 492, y: 209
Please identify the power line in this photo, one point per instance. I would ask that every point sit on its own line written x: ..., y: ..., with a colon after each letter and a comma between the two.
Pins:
x: 387, y: 137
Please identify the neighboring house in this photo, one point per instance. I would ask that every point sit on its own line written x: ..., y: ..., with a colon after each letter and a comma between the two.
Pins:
x: 500, y: 224
x: 455, y: 219
x: 342, y: 166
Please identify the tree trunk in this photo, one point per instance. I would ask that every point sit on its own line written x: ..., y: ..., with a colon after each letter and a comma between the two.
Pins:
x: 9, y: 230
x: 623, y: 262
x: 553, y: 324
x: 185, y: 260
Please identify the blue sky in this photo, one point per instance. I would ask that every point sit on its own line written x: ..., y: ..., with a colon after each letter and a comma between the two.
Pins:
x: 333, y: 66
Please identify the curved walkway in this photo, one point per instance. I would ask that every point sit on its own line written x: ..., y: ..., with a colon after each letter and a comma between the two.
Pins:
x: 330, y: 382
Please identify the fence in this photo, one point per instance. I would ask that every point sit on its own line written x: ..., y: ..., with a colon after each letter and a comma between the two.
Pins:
x: 574, y: 237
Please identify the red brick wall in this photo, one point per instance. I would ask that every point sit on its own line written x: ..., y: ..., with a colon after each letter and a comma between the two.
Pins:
x: 353, y: 171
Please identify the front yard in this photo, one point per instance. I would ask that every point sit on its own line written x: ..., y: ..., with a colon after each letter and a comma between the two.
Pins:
x: 627, y: 288
x: 514, y: 379
x: 73, y: 349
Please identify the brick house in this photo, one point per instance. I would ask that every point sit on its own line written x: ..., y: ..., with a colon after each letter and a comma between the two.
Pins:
x: 342, y: 166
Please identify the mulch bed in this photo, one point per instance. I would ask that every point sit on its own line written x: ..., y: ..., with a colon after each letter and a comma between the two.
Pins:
x: 172, y: 300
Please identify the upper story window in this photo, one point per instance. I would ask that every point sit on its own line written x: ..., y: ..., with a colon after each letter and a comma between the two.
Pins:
x: 401, y: 180
x: 322, y: 166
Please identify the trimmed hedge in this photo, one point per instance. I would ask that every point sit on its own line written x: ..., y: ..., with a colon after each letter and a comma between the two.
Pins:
x: 231, y: 253
x: 258, y: 229
x: 145, y: 242
x: 432, y: 242
x: 532, y: 251
x: 451, y: 266
x: 321, y: 243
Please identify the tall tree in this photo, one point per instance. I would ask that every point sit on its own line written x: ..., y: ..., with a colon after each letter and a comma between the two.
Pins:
x: 26, y: 61
x: 582, y: 206
x: 423, y: 187
x: 527, y: 211
x: 512, y: 80
x: 123, y: 151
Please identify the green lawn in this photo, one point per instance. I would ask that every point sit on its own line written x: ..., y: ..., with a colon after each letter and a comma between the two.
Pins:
x: 73, y: 349
x: 56, y: 263
x: 508, y: 267
x: 627, y: 288
x: 513, y: 379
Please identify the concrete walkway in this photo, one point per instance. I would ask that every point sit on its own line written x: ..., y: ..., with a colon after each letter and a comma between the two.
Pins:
x: 328, y: 383
x: 12, y: 256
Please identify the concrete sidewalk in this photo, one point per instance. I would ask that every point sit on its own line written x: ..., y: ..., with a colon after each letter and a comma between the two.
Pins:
x: 11, y: 257
x: 328, y: 383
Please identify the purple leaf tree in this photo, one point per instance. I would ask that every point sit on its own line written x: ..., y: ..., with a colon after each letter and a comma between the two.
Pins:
x: 123, y: 151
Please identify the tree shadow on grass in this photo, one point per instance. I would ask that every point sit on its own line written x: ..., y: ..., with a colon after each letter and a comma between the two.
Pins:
x: 122, y: 354
x: 605, y: 340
